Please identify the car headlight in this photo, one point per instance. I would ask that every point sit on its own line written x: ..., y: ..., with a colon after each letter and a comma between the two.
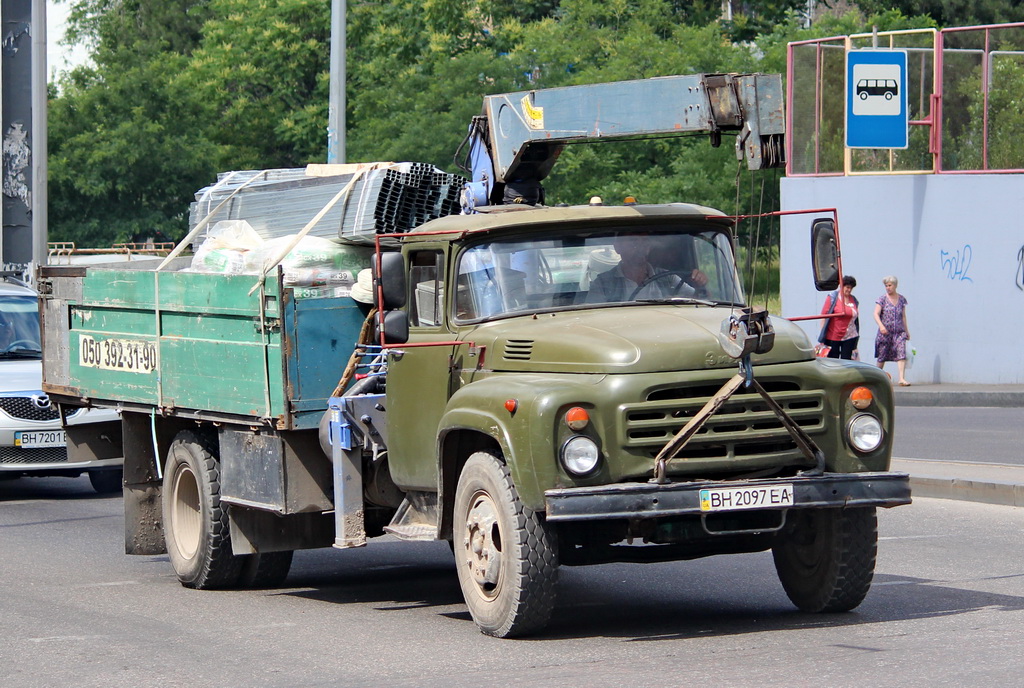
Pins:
x: 864, y: 432
x: 580, y: 455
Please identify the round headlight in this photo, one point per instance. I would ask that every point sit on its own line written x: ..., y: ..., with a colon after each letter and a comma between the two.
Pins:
x: 580, y: 455
x: 865, y: 432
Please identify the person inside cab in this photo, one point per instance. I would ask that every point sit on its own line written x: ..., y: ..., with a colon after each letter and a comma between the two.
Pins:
x: 635, y: 278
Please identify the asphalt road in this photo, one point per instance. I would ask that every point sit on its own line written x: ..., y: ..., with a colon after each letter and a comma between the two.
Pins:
x: 946, y: 609
x: 988, y: 435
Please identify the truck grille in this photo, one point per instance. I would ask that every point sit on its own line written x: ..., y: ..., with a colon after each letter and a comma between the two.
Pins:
x: 25, y: 408
x: 11, y: 456
x: 744, y: 428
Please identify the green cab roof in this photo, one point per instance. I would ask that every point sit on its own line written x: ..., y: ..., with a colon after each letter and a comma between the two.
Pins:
x: 511, y: 217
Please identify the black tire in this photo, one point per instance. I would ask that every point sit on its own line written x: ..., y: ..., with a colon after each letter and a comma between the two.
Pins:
x: 506, y: 556
x: 195, y: 524
x: 107, y: 481
x: 265, y: 570
x: 826, y: 558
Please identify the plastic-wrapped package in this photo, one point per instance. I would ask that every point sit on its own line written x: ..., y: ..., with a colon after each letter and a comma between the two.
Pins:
x: 226, y: 247
x: 234, y: 248
x: 311, y: 255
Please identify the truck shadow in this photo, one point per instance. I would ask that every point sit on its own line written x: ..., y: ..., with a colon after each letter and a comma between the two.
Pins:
x: 763, y: 606
x: 670, y: 601
x: 391, y: 576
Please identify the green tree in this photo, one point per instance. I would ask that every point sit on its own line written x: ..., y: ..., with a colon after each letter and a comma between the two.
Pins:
x: 948, y: 13
x: 125, y: 152
x: 185, y: 88
x: 261, y: 77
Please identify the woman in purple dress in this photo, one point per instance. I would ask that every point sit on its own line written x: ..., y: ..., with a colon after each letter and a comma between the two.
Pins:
x: 893, y: 333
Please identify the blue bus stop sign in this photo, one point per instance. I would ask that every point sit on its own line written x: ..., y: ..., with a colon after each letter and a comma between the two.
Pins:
x: 876, y: 99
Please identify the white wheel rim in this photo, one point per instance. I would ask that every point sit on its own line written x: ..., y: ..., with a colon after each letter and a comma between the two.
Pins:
x: 483, y: 546
x: 186, y: 512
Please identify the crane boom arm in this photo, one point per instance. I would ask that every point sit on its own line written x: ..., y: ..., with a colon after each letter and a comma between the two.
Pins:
x: 518, y: 137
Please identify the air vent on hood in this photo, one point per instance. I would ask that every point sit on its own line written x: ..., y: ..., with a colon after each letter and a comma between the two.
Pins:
x: 518, y: 349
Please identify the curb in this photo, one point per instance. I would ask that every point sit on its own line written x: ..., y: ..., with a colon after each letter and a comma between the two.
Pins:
x: 967, y: 490
x: 1008, y: 399
x: 986, y: 483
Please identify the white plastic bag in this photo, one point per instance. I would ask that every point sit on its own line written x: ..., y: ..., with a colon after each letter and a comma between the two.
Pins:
x: 911, y: 355
x: 225, y: 248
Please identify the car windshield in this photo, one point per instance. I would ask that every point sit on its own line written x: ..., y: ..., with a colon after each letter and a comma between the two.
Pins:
x: 682, y: 264
x: 19, y: 326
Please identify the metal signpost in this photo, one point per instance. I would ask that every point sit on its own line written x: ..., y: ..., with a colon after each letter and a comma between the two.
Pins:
x: 876, y: 99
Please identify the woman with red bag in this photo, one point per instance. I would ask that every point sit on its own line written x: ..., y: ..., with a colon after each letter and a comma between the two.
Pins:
x: 841, y: 332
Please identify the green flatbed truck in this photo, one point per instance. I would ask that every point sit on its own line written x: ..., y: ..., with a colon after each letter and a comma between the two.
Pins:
x: 520, y: 397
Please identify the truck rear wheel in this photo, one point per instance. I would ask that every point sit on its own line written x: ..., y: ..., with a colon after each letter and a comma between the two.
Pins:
x: 506, y: 556
x: 826, y: 558
x: 195, y: 524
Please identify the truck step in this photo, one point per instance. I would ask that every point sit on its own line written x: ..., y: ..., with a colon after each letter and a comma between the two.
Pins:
x: 416, y: 518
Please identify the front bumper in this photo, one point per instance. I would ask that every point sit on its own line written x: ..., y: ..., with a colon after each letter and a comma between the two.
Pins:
x: 649, y: 500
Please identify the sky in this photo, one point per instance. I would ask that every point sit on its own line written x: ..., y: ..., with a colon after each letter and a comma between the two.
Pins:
x: 60, y: 58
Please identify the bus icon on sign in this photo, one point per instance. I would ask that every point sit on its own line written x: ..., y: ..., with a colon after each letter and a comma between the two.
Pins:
x: 887, y: 88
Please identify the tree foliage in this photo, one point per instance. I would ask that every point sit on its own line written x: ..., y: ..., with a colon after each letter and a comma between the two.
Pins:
x: 182, y: 89
x: 947, y: 13
x: 125, y: 152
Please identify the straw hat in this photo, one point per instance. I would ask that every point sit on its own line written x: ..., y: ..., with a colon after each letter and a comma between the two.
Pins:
x: 362, y: 290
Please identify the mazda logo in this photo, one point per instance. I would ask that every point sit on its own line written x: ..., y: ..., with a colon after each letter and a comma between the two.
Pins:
x: 41, y: 401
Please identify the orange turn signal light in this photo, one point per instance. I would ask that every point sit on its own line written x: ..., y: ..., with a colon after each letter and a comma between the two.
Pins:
x: 511, y: 405
x: 861, y: 398
x: 577, y: 418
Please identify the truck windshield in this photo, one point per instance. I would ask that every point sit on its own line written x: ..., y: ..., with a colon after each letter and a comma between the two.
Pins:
x: 678, y: 265
x: 19, y: 327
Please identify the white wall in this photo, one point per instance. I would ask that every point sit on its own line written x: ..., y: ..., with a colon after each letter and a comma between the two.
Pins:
x: 954, y: 241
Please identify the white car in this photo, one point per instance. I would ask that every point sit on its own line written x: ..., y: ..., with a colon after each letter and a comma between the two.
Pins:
x: 32, y: 439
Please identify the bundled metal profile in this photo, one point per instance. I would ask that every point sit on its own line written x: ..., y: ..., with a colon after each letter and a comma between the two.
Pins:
x: 385, y: 199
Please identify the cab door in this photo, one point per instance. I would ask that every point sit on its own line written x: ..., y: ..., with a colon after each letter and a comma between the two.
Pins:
x: 420, y: 379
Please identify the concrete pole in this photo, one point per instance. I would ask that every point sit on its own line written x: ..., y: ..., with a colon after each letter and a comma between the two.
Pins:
x: 39, y: 133
x: 16, y: 174
x: 336, y: 108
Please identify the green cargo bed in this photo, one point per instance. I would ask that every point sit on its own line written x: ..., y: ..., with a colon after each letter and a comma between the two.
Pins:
x: 194, y: 344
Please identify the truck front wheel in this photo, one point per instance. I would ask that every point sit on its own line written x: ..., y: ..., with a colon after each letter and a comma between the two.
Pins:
x: 195, y: 524
x: 826, y: 558
x: 506, y: 556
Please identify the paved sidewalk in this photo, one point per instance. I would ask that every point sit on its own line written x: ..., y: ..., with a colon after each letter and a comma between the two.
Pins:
x: 1006, y: 396
x: 969, y: 481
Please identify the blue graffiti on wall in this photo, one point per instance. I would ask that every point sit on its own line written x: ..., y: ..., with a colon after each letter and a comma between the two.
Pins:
x: 957, y: 263
x: 1020, y: 269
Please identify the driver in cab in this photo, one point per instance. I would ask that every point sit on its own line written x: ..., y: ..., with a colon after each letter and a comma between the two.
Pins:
x: 634, y: 278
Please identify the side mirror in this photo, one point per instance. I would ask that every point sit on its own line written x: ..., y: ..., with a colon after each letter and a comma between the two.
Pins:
x: 824, y: 255
x: 396, y: 327
x: 391, y: 279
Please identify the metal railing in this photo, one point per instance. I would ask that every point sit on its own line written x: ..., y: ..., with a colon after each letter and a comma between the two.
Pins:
x: 962, y: 85
x: 63, y: 252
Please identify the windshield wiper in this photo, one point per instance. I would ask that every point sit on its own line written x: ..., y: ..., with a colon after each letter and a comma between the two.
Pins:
x: 681, y: 299
x: 21, y: 353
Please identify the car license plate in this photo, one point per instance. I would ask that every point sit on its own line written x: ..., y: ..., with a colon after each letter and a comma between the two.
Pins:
x: 31, y: 439
x: 737, y: 498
